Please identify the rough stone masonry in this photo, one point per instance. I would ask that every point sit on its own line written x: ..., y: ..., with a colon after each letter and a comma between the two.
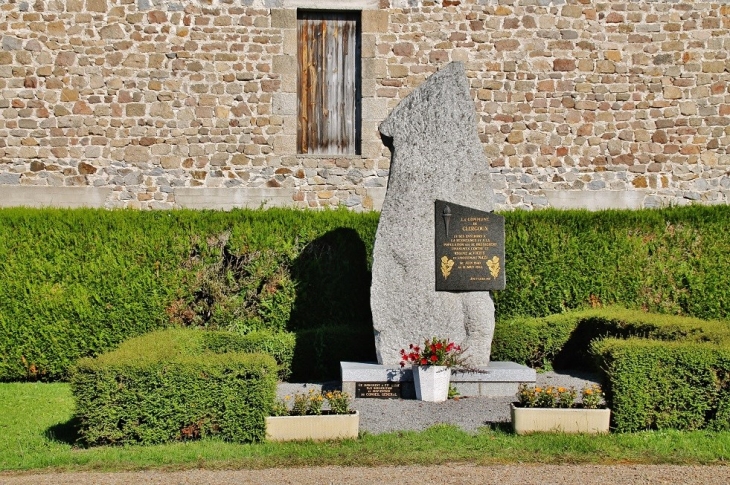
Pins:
x: 170, y: 103
x: 436, y: 155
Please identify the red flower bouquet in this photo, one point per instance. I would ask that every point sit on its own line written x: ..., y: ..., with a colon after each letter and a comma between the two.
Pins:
x: 434, y: 352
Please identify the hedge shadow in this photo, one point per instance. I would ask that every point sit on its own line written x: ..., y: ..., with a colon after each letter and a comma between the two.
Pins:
x: 331, y: 312
x: 66, y: 432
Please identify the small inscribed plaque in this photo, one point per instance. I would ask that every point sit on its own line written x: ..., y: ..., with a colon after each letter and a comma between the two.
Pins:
x: 380, y: 390
x: 469, y: 249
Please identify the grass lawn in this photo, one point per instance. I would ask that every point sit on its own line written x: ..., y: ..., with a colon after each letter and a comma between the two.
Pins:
x: 35, y: 433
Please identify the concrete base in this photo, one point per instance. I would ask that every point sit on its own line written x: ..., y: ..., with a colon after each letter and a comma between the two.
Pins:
x: 595, y: 200
x: 46, y: 196
x: 498, y: 379
x: 227, y: 199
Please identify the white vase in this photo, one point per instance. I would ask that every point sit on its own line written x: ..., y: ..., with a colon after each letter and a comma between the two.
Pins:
x: 431, y: 382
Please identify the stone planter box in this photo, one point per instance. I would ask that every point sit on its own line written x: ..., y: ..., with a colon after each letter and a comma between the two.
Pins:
x: 531, y: 420
x: 322, y: 427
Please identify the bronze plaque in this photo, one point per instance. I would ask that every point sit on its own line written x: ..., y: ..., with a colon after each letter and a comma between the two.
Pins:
x: 469, y: 249
x: 379, y: 390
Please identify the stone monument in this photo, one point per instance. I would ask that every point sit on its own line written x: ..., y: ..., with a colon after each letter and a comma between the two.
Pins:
x: 436, y: 155
x: 439, y: 249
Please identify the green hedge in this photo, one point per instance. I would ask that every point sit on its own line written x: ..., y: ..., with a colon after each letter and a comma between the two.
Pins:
x: 659, y: 385
x: 667, y: 261
x: 563, y: 340
x: 278, y: 345
x: 165, y: 386
x: 76, y: 283
x: 660, y: 371
x: 534, y: 342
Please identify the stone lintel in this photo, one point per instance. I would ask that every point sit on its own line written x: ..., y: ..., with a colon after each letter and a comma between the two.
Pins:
x: 333, y: 4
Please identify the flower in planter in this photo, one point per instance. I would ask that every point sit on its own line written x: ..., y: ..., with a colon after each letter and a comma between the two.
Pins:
x: 434, y: 352
x: 315, y: 402
x: 560, y: 397
x: 527, y: 396
x: 301, y: 405
x: 546, y: 397
x: 311, y: 404
x: 339, y: 402
x: 592, y: 397
x: 565, y: 397
x: 280, y: 407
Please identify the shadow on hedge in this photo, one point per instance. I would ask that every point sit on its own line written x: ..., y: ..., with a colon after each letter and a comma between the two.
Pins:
x: 575, y: 353
x: 331, y: 313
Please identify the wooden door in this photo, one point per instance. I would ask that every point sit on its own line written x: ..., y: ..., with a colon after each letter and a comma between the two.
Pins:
x: 329, y: 82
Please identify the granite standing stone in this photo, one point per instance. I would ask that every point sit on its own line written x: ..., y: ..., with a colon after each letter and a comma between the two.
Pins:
x: 436, y: 154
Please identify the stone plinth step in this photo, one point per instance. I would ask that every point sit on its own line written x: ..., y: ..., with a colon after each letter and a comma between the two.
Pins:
x: 498, y: 379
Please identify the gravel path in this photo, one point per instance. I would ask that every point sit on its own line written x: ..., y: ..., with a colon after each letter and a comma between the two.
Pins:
x: 453, y: 474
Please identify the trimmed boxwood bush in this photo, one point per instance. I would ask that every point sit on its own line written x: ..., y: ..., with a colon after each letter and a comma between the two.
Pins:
x: 165, y: 386
x: 278, y: 345
x: 660, y: 371
x: 659, y: 385
x: 76, y: 283
x: 533, y: 341
x: 563, y: 340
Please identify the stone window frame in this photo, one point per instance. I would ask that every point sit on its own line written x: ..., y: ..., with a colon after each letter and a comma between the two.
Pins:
x: 373, y: 110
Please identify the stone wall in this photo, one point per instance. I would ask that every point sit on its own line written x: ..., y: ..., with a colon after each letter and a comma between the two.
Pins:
x: 161, y: 104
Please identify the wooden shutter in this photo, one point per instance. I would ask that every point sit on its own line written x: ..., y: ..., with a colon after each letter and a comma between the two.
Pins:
x: 329, y: 85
